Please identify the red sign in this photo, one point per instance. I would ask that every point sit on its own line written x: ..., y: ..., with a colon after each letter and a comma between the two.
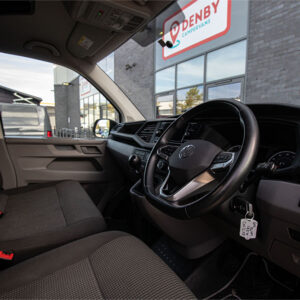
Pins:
x: 199, y: 22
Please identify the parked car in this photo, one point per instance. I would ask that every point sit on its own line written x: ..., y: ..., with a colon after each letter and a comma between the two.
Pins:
x: 25, y: 120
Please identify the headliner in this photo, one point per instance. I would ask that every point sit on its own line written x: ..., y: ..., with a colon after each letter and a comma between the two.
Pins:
x: 56, y: 22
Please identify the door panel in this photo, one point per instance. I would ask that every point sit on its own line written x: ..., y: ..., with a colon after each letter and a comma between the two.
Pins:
x: 56, y: 159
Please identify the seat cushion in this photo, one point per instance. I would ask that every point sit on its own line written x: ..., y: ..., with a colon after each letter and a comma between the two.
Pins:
x: 43, y: 218
x: 109, y: 265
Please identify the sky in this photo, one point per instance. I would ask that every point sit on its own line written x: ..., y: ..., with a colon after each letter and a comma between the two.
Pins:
x: 27, y: 75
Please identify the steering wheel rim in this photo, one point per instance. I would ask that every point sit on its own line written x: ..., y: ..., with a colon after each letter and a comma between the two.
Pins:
x: 231, y: 183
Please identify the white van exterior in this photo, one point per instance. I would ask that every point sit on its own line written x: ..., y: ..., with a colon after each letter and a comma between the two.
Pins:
x: 25, y: 120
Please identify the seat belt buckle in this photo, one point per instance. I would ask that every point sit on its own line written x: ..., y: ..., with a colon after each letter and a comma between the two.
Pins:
x: 1, y: 213
x: 6, y: 255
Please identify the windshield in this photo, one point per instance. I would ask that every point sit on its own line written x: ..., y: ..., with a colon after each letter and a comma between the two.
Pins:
x: 201, y: 50
x: 194, y: 51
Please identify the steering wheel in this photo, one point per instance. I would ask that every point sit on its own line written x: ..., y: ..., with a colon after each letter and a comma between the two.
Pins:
x: 200, y: 175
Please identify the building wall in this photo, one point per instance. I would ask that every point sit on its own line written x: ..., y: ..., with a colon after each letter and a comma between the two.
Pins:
x: 138, y: 81
x: 51, y: 114
x: 273, y: 52
x: 67, y: 105
x: 62, y: 74
x: 6, y: 97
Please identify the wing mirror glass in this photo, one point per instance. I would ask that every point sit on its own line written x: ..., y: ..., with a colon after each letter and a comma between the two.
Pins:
x: 102, y: 127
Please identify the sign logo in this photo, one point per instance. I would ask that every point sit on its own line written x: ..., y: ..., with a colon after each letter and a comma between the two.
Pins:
x: 187, y: 151
x: 199, y: 22
x: 174, y: 31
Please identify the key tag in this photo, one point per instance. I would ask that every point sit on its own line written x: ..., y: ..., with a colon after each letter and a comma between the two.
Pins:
x: 248, y: 226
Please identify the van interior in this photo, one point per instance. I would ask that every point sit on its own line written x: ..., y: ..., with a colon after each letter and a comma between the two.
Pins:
x: 204, y: 204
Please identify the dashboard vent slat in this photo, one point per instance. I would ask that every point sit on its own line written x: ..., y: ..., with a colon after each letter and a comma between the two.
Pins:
x: 147, y: 131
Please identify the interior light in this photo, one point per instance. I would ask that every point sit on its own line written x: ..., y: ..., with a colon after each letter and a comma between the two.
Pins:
x: 66, y: 83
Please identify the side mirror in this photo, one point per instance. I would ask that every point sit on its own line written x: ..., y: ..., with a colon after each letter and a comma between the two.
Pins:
x: 102, y: 127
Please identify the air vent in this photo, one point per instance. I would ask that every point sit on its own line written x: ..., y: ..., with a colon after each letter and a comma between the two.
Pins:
x: 160, y: 130
x: 147, y: 131
x: 130, y: 128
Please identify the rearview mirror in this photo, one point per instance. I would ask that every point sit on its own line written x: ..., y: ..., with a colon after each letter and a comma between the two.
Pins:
x: 102, y: 127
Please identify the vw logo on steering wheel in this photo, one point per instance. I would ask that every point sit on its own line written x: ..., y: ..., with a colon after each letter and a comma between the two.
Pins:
x: 187, y: 151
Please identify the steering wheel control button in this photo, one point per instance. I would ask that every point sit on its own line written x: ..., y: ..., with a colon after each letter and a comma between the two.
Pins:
x: 222, y: 161
x: 223, y: 157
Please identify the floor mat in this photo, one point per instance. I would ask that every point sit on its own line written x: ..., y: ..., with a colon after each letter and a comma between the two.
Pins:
x: 261, y: 280
x: 215, y: 270
x: 255, y: 279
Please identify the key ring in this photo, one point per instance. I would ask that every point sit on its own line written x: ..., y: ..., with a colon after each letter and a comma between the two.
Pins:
x: 251, y: 218
x: 249, y: 211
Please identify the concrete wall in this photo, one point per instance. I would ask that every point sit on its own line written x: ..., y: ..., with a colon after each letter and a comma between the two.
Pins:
x: 67, y: 105
x: 137, y: 82
x: 274, y: 52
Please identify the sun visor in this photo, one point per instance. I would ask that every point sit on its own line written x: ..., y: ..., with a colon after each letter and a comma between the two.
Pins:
x: 110, y: 23
x: 86, y: 41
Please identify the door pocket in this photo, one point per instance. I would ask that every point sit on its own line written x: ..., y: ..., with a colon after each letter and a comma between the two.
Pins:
x: 75, y: 164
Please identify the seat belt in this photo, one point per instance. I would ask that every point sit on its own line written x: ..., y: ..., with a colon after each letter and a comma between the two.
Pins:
x: 4, y: 255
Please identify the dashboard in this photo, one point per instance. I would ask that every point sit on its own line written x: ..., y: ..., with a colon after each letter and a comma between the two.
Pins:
x: 279, y: 135
x: 275, y: 197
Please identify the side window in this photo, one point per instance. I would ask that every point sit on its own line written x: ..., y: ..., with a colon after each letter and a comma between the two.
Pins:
x: 39, y: 99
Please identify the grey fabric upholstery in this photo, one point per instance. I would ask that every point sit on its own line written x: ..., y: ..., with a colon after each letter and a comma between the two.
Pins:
x: 44, y: 218
x: 109, y: 265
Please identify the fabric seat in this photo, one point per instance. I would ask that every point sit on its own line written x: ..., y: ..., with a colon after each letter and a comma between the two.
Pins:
x: 108, y: 265
x: 43, y: 218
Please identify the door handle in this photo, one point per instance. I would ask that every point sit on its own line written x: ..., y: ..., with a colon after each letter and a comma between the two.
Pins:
x: 90, y: 150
